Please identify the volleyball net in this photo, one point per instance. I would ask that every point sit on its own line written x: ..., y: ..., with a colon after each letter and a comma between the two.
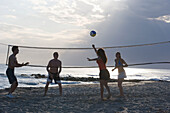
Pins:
x: 77, y: 57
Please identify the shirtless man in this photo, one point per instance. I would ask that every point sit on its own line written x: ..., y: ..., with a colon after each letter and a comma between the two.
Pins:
x: 10, y: 70
x: 54, y: 72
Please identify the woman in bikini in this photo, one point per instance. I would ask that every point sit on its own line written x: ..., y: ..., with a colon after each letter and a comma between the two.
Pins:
x: 119, y: 64
x: 104, y: 73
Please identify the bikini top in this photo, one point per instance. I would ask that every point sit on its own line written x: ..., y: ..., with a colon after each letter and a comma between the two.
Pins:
x: 119, y: 63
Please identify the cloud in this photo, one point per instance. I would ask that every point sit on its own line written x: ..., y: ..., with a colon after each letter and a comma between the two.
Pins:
x: 9, y: 16
x: 131, y: 26
x: 24, y: 35
x: 149, y: 9
x: 77, y: 12
x: 38, y: 2
x: 66, y: 23
x: 165, y: 18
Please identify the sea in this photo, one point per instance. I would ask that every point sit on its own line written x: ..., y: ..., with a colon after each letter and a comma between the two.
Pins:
x: 30, y: 81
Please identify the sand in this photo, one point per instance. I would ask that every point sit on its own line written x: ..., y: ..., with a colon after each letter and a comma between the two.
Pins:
x: 141, y: 97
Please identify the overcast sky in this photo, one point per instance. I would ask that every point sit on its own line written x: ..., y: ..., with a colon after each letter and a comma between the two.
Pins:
x: 67, y: 23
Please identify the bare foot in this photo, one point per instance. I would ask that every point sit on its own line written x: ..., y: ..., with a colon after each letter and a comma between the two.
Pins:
x: 108, y: 97
x: 103, y: 99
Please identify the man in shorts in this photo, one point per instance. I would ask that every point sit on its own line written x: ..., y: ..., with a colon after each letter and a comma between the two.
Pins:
x: 12, y: 63
x: 54, y: 69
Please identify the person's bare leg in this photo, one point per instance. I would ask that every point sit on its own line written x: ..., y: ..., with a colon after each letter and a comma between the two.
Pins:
x: 13, y: 87
x: 101, y: 89
x: 60, y: 88
x: 120, y: 87
x: 46, y: 88
x: 107, y: 88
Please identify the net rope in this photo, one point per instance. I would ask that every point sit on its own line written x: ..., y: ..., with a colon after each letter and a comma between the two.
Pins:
x: 138, y: 45
x: 127, y: 46
x: 148, y: 63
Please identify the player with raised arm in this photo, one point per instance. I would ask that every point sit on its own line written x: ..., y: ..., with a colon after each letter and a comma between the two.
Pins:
x: 104, y: 73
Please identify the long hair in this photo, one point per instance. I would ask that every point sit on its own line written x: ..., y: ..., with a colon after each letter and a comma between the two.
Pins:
x: 101, y: 53
x: 118, y: 54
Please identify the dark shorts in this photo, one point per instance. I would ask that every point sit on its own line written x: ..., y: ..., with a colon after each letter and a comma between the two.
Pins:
x: 10, y: 74
x: 55, y: 77
x: 104, y: 74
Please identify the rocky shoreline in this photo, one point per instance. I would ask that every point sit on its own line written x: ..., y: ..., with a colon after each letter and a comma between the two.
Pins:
x: 83, y: 79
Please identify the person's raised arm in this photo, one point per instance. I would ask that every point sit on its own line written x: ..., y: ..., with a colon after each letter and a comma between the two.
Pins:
x: 95, y: 49
x: 94, y: 59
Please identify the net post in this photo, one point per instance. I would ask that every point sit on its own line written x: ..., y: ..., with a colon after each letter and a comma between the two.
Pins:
x: 7, y: 55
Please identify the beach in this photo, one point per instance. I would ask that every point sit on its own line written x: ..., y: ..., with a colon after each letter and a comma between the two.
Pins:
x: 140, y: 97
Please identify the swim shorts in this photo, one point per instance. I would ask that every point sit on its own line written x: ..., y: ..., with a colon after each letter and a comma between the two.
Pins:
x: 55, y: 77
x: 122, y: 75
x: 10, y: 74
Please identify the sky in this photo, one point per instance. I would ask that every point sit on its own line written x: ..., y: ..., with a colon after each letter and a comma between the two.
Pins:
x: 67, y: 23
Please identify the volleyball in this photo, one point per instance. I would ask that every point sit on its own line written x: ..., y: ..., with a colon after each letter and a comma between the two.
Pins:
x: 93, y: 33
